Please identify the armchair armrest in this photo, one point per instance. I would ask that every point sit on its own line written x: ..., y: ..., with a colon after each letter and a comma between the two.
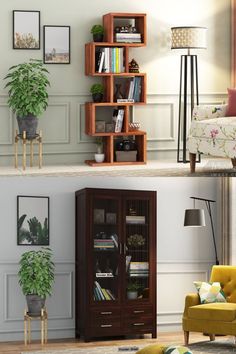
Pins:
x: 191, y: 300
x: 203, y: 112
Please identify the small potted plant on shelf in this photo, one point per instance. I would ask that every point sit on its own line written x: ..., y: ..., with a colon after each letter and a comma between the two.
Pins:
x: 27, y: 89
x: 97, y: 91
x: 99, y: 156
x: 36, y: 277
x: 132, y: 290
x: 97, y: 32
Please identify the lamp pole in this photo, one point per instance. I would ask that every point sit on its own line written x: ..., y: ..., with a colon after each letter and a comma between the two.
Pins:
x: 208, y: 206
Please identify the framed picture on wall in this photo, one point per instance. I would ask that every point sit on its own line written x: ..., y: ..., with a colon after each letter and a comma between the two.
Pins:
x: 56, y: 44
x: 26, y: 29
x: 32, y: 220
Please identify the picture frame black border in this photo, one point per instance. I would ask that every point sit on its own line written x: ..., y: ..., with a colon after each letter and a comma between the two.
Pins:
x: 44, y: 36
x: 18, y: 205
x: 13, y: 27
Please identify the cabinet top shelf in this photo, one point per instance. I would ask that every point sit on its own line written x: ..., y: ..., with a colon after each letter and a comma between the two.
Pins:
x: 115, y: 44
x: 125, y: 14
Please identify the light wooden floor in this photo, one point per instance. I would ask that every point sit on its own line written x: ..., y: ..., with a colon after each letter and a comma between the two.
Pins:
x: 166, y: 338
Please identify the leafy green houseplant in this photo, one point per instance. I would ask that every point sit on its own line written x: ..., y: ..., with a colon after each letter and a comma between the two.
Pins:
x: 27, y: 89
x: 36, y: 277
x: 99, y: 156
x: 97, y: 91
x: 97, y: 32
x: 132, y: 290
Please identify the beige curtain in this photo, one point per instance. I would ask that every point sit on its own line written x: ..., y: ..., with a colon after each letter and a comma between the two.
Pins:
x: 228, y: 222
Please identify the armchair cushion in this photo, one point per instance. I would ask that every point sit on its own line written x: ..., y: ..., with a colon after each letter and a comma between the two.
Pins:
x: 210, y: 292
x: 225, y: 312
x: 217, y: 128
x: 231, y: 110
x: 204, y: 112
x: 177, y: 350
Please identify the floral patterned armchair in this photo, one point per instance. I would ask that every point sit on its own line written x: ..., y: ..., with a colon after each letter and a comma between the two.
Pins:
x: 212, y: 133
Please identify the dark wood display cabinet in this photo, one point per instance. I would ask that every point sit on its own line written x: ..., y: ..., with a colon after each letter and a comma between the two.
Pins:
x: 115, y: 263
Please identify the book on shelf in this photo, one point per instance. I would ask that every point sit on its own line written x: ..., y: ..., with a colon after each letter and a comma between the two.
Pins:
x: 135, y: 219
x: 128, y: 37
x: 118, y: 117
x: 101, y: 294
x: 139, y: 265
x: 134, y: 89
x: 109, y: 60
x: 115, y: 240
x: 127, y: 261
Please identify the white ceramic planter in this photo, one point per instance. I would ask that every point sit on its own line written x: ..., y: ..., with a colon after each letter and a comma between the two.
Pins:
x: 99, y: 157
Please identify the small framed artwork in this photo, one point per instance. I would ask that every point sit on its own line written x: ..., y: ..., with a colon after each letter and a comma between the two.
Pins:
x: 56, y: 44
x: 110, y: 218
x: 26, y: 29
x: 99, y: 216
x: 32, y: 221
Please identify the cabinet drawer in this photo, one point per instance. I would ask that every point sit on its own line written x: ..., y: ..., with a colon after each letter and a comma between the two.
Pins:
x: 106, y: 327
x: 141, y: 325
x: 138, y: 312
x: 106, y: 314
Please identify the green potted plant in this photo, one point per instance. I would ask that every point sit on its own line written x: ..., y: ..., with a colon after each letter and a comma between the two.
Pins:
x: 36, y: 278
x: 132, y: 290
x: 97, y: 32
x: 97, y: 91
x: 99, y: 156
x: 27, y: 89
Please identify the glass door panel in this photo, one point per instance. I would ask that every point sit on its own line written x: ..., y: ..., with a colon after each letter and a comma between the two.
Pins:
x: 105, y: 243
x: 137, y: 248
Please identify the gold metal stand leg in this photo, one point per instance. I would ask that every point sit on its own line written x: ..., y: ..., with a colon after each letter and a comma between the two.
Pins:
x: 42, y: 330
x: 46, y: 330
x: 25, y: 331
x: 31, y: 152
x: 40, y: 149
x: 24, y: 150
x: 16, y: 149
x: 29, y: 331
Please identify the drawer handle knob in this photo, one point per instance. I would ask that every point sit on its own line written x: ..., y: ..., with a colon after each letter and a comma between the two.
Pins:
x: 138, y: 324
x: 138, y: 311
x: 106, y: 325
x: 106, y: 313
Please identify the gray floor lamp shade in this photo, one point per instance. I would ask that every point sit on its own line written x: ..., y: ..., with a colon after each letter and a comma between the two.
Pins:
x: 196, y: 218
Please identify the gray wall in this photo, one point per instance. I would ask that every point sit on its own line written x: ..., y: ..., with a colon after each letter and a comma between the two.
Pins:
x: 63, y: 122
x: 183, y: 254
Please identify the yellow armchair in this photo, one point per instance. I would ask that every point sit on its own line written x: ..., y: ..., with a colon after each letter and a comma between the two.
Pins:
x: 214, y: 318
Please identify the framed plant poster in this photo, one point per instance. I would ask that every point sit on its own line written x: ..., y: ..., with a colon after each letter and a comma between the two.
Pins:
x: 32, y: 221
x: 26, y: 29
x: 56, y: 44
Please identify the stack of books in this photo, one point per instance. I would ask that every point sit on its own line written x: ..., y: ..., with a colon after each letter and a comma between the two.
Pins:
x: 117, y: 118
x: 101, y: 294
x: 135, y: 219
x: 109, y: 60
x: 104, y: 244
x: 125, y: 37
x: 134, y: 88
x: 139, y: 269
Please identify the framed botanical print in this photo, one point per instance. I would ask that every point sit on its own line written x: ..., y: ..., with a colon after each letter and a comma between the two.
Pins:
x: 56, y: 44
x: 26, y: 29
x: 32, y: 220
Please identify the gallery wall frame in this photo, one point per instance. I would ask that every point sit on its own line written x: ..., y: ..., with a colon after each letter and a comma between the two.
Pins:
x: 26, y: 29
x: 56, y: 47
x: 32, y: 220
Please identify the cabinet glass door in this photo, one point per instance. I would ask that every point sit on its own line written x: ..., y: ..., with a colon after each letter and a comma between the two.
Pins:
x: 137, y: 249
x: 106, y: 246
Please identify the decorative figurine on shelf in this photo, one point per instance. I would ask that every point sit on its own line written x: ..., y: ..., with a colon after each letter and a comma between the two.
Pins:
x: 132, y: 211
x: 133, y: 66
x: 136, y: 240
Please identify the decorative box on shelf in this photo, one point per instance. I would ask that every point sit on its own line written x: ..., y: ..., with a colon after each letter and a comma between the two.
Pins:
x: 126, y: 156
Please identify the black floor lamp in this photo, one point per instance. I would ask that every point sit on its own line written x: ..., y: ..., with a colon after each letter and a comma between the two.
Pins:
x: 196, y: 218
x: 187, y: 38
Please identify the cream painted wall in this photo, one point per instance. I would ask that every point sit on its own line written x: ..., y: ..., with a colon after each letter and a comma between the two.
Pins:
x: 63, y: 123
x: 183, y: 254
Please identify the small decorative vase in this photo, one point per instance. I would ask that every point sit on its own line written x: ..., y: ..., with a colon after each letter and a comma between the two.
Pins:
x: 132, y: 295
x: 118, y: 94
x: 99, y: 157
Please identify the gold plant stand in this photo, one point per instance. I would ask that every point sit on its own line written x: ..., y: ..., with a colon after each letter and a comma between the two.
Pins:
x: 43, y: 317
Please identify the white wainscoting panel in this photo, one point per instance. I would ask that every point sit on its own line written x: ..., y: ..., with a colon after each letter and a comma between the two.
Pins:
x: 6, y: 125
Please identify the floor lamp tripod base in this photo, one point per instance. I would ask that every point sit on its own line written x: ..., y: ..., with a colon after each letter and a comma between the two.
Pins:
x: 188, y: 78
